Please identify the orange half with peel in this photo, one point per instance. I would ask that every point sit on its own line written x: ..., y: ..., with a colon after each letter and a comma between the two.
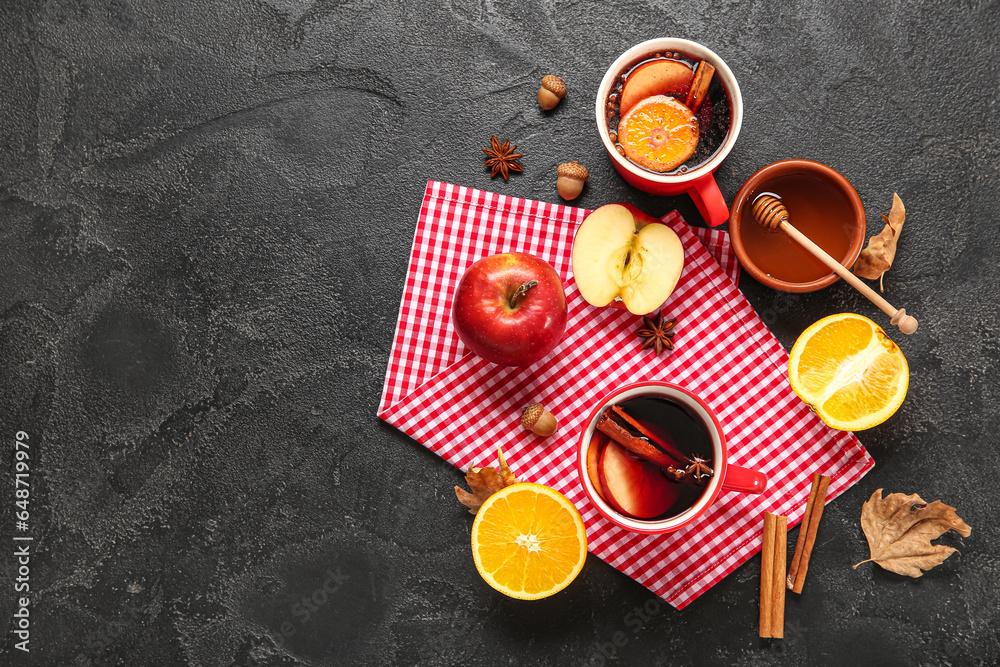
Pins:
x: 659, y: 133
x: 528, y: 541
x: 849, y: 372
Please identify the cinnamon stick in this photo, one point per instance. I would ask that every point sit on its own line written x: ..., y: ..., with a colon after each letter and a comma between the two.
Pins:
x: 777, y: 590
x: 699, y: 86
x: 652, y: 437
x: 637, y: 446
x: 766, y: 572
x: 772, y: 576
x: 803, y: 531
x: 807, y: 533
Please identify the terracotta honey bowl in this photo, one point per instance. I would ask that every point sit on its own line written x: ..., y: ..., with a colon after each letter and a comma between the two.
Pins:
x: 824, y: 206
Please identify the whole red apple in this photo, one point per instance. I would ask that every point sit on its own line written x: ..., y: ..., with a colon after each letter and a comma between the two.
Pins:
x: 510, y: 309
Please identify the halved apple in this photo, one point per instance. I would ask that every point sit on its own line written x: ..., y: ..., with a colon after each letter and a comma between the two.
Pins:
x: 659, y: 77
x: 620, y: 254
x: 634, y: 487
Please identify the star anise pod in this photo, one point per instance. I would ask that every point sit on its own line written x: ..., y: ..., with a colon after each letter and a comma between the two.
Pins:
x: 502, y: 158
x: 699, y: 468
x: 658, y: 334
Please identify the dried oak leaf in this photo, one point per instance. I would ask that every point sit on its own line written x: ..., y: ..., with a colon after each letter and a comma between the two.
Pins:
x: 900, y: 528
x: 484, y: 482
x: 876, y: 259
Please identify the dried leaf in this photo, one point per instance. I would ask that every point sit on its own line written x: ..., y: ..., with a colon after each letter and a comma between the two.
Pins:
x: 484, y: 482
x: 877, y: 257
x: 900, y: 528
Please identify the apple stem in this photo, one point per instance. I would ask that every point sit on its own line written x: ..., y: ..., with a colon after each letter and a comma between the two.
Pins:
x: 521, y: 291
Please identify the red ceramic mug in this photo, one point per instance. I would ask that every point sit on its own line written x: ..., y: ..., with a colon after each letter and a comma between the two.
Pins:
x: 726, y: 477
x: 698, y: 183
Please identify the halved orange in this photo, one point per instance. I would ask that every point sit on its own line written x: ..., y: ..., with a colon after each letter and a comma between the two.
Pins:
x: 849, y: 372
x: 659, y: 133
x: 528, y: 541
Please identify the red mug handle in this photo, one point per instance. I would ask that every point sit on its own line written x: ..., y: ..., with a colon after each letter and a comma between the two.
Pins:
x: 708, y: 198
x: 744, y: 480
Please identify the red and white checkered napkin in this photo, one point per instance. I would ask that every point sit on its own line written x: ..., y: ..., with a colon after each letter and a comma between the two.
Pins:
x: 462, y: 407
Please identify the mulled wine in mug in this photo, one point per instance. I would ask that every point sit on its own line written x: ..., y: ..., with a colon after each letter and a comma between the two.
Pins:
x: 669, y: 111
x: 652, y: 458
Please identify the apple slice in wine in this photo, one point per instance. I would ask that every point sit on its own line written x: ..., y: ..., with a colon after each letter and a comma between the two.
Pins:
x: 659, y: 77
x: 597, y: 444
x: 632, y: 486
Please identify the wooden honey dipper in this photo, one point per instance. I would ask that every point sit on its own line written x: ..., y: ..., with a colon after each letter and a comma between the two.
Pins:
x: 770, y: 213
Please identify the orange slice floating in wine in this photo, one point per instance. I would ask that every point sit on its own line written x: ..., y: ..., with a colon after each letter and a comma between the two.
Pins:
x: 659, y: 133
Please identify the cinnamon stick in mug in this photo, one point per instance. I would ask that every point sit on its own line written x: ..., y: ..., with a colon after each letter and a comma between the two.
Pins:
x: 699, y: 86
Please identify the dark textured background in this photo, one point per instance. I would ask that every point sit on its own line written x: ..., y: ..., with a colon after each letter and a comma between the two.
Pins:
x: 206, y: 210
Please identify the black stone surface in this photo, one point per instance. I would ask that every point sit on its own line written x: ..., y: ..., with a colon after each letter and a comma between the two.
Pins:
x: 206, y: 210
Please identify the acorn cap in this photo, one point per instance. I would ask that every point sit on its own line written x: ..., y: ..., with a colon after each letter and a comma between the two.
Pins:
x: 555, y: 85
x: 531, y: 414
x: 573, y: 170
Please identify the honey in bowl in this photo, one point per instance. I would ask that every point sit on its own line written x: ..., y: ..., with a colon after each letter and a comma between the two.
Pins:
x: 649, y: 119
x: 817, y: 208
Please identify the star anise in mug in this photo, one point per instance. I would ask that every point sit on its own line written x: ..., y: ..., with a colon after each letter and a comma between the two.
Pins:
x: 698, y: 468
x: 658, y: 334
x: 502, y: 158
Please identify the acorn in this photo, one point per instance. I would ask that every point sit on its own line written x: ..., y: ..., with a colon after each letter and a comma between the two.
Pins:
x: 572, y: 176
x: 552, y: 91
x: 538, y: 420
